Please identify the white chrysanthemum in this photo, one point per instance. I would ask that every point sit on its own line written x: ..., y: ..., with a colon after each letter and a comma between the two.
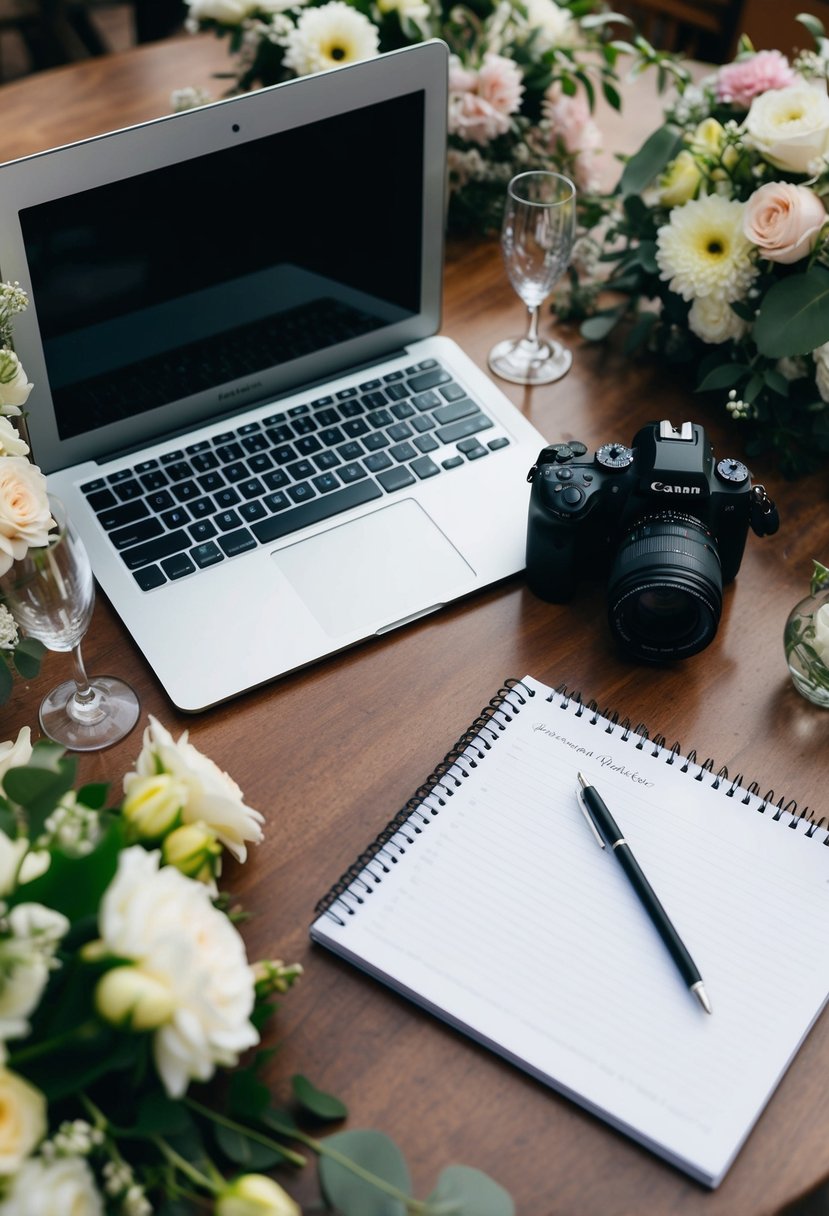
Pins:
x: 166, y: 924
x: 703, y: 250
x: 53, y: 1188
x: 554, y: 25
x: 329, y: 37
x: 715, y: 320
x: 212, y: 796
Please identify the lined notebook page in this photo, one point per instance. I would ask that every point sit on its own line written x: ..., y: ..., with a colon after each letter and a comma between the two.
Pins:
x: 502, y: 915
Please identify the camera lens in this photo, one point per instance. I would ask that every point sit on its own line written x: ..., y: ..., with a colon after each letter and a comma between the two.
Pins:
x: 665, y: 588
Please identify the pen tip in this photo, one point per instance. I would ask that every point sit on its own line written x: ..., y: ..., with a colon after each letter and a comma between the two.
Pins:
x: 582, y: 781
x: 702, y: 996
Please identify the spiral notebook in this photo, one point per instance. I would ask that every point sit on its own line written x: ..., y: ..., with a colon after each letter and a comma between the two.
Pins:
x: 487, y: 901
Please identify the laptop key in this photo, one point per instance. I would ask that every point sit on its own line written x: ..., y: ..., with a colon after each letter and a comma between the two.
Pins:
x: 426, y: 401
x: 227, y: 498
x: 276, y: 479
x: 179, y: 471
x: 306, y: 445
x: 236, y: 542
x: 100, y: 499
x: 301, y: 469
x: 400, y: 430
x: 228, y: 452
x: 429, y: 379
x: 207, y: 554
x: 426, y: 443
x: 185, y: 490
x: 125, y: 490
x: 226, y: 520
x: 237, y: 471
x: 301, y: 492
x: 203, y: 462
x: 455, y: 410
x: 326, y: 460
x: 161, y: 501
x: 202, y: 529
x: 144, y: 529
x: 403, y: 451
x: 452, y: 462
x: 352, y: 451
x: 211, y: 481
x: 425, y: 467
x: 500, y: 442
x: 395, y: 479
x: 326, y: 482
x: 251, y: 488
x: 178, y: 566
x: 465, y: 426
x: 402, y: 410
x: 375, y: 441
x: 277, y: 501
x: 252, y: 510
x: 260, y: 463
x: 176, y: 518
x: 149, y: 577
x: 378, y: 461
x: 352, y: 472
x: 154, y: 480
x: 323, y: 507
x: 125, y: 514
x: 90, y: 486
x: 155, y: 550
x: 398, y: 392
x: 452, y: 391
x: 201, y: 507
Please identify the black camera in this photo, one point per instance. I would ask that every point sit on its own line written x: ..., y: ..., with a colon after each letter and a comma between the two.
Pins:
x: 668, y: 521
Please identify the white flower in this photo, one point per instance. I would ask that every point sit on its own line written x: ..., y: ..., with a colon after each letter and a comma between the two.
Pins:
x: 715, y: 320
x: 330, y: 36
x: 413, y: 10
x: 821, y: 639
x: 62, y: 1187
x: 255, y: 1195
x: 10, y: 442
x: 790, y: 127
x: 189, y: 98
x: 16, y: 754
x: 227, y: 12
x: 25, y: 519
x: 554, y: 25
x: 26, y: 958
x: 166, y: 924
x: 821, y: 357
x: 22, y: 1120
x: 14, y: 384
x: 9, y: 636
x: 703, y: 251
x: 212, y: 797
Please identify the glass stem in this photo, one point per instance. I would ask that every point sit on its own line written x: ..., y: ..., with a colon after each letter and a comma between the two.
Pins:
x: 84, y: 694
x: 532, y: 332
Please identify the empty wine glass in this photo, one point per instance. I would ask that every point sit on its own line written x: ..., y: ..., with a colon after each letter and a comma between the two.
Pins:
x: 536, y: 241
x: 51, y: 594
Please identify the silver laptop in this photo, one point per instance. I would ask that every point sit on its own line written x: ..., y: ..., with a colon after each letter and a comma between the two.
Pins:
x: 239, y: 394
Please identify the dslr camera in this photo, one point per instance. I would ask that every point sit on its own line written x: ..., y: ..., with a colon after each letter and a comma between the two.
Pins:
x: 667, y: 520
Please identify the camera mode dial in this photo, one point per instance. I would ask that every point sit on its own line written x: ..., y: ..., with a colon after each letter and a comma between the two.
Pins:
x: 614, y: 456
x: 733, y: 471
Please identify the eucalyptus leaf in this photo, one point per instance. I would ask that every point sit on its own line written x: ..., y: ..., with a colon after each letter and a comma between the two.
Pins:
x: 28, y: 656
x: 244, y: 1151
x: 94, y: 795
x: 75, y: 885
x: 248, y: 1098
x: 597, y: 327
x: 38, y: 790
x: 655, y: 153
x: 352, y: 1195
x: 812, y: 24
x: 753, y: 388
x: 638, y: 335
x: 159, y: 1115
x: 472, y: 1192
x: 777, y: 383
x: 794, y: 316
x: 724, y: 376
x: 323, y: 1105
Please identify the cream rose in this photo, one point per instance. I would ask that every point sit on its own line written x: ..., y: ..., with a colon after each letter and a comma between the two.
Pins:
x: 680, y: 181
x: 25, y: 520
x: 55, y: 1188
x: 10, y: 442
x: 714, y: 320
x: 166, y: 925
x: 256, y: 1195
x: 14, y: 383
x: 790, y: 127
x: 212, y: 797
x: 784, y: 221
x: 22, y: 1120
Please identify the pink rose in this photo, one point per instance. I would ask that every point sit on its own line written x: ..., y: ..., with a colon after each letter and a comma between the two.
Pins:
x: 739, y: 83
x: 783, y: 221
x: 501, y: 84
x: 473, y: 118
x: 25, y: 518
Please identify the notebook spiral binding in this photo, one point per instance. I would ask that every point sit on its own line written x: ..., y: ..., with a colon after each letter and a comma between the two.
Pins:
x: 358, y: 881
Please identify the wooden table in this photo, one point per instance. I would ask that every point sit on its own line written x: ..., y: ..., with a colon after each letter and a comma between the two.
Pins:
x: 331, y: 753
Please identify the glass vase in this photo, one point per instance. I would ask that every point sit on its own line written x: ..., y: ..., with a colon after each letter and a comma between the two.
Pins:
x: 809, y: 671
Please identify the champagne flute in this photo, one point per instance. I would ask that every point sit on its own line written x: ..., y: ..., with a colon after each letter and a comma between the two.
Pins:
x: 51, y: 594
x: 536, y: 240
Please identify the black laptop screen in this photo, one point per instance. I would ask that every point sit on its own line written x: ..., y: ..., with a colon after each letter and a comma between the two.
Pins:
x: 207, y: 272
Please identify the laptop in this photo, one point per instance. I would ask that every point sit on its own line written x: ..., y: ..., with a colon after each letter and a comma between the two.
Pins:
x: 240, y: 394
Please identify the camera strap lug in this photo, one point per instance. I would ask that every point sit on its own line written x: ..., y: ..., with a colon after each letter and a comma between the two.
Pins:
x: 763, y: 513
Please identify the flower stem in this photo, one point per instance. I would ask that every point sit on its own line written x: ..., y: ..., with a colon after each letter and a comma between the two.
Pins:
x: 24, y: 1054
x: 185, y: 1167
x: 243, y: 1129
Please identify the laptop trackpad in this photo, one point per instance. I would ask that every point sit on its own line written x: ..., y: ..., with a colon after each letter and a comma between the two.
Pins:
x: 377, y: 571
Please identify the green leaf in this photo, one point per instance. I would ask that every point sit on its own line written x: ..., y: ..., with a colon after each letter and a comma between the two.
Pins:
x: 248, y: 1098
x: 777, y: 383
x: 724, y: 376
x: 638, y: 335
x: 94, y: 795
x: 352, y: 1195
x: 159, y: 1115
x: 655, y: 153
x: 323, y: 1105
x: 812, y: 24
x: 611, y: 95
x: 473, y: 1193
x: 242, y: 1150
x: 75, y: 885
x: 6, y: 681
x: 39, y: 786
x: 28, y: 656
x: 597, y: 327
x: 8, y: 821
x: 753, y: 388
x: 794, y: 316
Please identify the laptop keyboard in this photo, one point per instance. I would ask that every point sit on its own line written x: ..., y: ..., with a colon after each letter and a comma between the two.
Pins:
x: 215, y: 499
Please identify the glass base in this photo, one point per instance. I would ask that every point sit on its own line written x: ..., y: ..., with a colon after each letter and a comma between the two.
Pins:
x: 110, y: 714
x: 523, y: 362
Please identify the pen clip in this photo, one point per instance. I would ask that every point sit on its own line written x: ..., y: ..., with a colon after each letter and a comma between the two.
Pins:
x: 585, y: 810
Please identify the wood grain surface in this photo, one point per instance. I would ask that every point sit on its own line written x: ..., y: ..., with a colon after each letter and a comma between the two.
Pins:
x: 331, y: 753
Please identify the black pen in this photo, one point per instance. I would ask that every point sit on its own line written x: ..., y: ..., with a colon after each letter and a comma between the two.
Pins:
x: 605, y: 828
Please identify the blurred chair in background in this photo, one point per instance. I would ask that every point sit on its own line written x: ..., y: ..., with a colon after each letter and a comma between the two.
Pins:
x: 699, y: 29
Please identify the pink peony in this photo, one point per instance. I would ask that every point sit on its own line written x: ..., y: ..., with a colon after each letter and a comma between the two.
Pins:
x: 473, y: 118
x: 572, y: 127
x: 461, y: 79
x: 739, y: 83
x: 501, y: 84
x: 480, y: 103
x: 784, y: 221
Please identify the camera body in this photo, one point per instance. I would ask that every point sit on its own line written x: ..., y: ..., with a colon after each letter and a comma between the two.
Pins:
x: 665, y: 518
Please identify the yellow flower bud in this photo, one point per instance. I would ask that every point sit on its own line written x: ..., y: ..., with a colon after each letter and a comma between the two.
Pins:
x: 680, y: 181
x: 708, y: 139
x: 255, y: 1195
x: 194, y: 850
x: 128, y: 997
x: 153, y: 805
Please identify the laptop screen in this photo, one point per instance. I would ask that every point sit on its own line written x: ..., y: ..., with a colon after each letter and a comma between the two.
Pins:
x: 216, y: 269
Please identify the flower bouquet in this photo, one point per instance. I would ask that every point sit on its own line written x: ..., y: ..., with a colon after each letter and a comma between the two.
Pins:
x: 523, y: 79
x: 124, y: 984
x: 25, y: 520
x: 716, y: 244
